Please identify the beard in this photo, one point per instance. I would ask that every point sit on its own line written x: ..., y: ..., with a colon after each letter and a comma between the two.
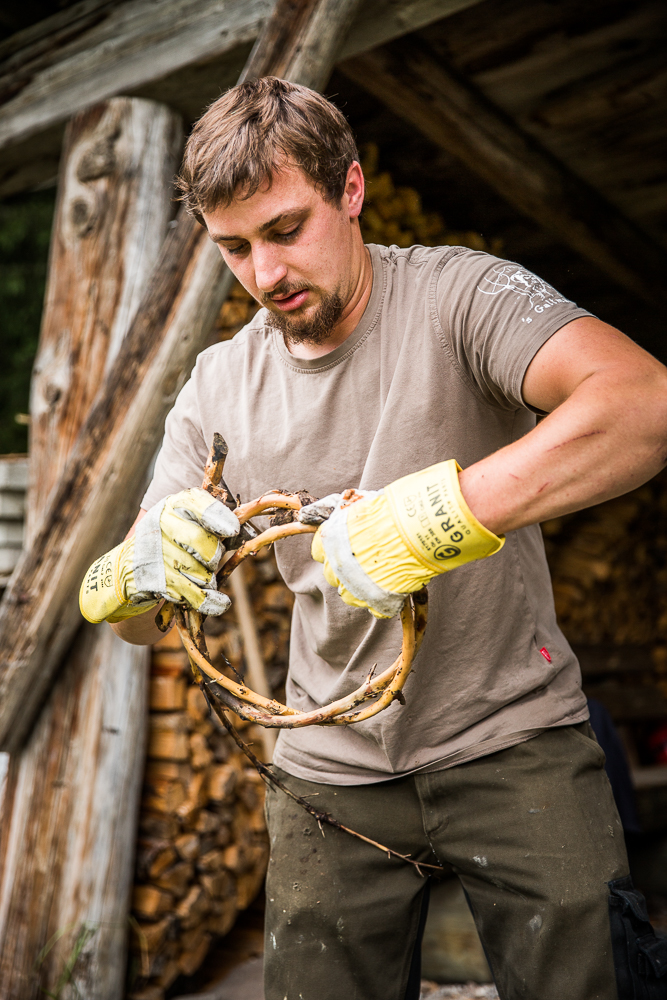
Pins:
x: 313, y: 329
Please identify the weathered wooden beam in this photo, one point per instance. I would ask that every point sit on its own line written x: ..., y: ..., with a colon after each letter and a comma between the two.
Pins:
x: 95, y: 499
x: 298, y: 40
x: 456, y: 116
x: 68, y: 827
x: 93, y: 502
x: 178, y: 51
x: 112, y: 216
x: 68, y: 853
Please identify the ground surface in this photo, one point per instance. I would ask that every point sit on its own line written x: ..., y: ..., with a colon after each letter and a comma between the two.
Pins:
x: 245, y: 983
x: 466, y: 991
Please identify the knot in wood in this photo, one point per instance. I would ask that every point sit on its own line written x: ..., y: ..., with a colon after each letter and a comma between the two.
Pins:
x: 82, y: 217
x: 99, y: 160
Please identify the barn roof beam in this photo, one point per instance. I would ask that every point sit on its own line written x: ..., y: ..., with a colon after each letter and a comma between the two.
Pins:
x: 182, y: 52
x: 456, y: 116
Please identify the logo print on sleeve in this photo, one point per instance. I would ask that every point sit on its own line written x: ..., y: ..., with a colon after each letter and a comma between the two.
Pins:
x: 513, y: 278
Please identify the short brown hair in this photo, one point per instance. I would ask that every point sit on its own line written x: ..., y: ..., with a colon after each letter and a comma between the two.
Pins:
x: 251, y: 130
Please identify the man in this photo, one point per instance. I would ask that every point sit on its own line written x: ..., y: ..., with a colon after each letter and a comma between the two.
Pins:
x: 374, y: 368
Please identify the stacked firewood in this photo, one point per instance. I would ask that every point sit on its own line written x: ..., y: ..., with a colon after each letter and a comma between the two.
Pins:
x: 395, y: 215
x: 609, y: 569
x: 272, y: 606
x: 238, y: 310
x: 202, y: 847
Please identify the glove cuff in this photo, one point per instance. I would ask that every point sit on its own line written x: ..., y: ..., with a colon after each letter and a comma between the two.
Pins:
x: 345, y: 565
x: 434, y: 520
x: 101, y: 593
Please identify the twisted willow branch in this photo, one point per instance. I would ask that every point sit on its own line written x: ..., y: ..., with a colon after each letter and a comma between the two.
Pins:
x: 379, y: 691
x: 318, y: 814
x: 272, y: 714
x: 224, y: 694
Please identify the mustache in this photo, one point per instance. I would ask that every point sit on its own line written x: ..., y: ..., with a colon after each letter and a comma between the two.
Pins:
x: 284, y: 289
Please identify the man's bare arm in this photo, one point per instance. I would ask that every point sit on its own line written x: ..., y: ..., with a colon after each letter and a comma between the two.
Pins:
x: 606, y: 432
x: 140, y: 630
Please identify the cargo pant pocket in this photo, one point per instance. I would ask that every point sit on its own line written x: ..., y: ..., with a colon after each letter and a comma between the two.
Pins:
x: 640, y: 956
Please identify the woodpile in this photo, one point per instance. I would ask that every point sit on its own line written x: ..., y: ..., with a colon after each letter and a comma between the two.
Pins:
x: 202, y: 849
x: 609, y: 571
x: 395, y: 215
x: 238, y: 310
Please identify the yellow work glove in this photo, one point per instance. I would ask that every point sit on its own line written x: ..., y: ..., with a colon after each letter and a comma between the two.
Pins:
x: 379, y: 546
x: 174, y: 554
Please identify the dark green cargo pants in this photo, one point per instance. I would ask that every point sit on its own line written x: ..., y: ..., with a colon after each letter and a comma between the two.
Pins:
x: 531, y: 831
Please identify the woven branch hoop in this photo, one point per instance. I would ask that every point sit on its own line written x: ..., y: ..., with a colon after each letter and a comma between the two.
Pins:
x: 370, y: 698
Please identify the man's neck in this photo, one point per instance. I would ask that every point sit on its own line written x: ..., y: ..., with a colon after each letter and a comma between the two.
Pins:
x: 350, y: 318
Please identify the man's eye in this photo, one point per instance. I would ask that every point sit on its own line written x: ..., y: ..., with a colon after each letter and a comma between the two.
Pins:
x: 290, y: 234
x: 241, y: 248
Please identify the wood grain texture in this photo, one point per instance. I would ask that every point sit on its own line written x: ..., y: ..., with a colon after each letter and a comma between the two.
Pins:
x: 174, y: 51
x: 95, y: 500
x: 110, y: 221
x: 67, y: 835
x: 302, y: 37
x: 131, y: 43
x: 587, y: 81
x: 67, y: 863
x: 456, y: 116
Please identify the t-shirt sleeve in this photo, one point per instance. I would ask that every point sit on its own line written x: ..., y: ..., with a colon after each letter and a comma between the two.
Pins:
x: 495, y: 316
x: 182, y: 457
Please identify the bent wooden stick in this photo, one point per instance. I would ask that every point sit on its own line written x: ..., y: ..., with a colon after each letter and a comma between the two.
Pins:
x: 223, y: 694
x: 318, y: 814
x: 268, y: 712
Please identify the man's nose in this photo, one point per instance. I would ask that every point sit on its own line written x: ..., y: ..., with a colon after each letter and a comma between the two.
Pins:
x: 269, y: 269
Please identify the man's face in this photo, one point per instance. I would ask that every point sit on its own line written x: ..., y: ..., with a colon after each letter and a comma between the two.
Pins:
x: 296, y: 253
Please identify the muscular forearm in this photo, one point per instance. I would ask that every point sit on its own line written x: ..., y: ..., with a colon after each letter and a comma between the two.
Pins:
x: 608, y: 437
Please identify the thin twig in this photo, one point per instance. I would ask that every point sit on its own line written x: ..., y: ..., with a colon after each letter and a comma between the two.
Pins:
x: 278, y: 716
x: 321, y: 817
x: 223, y: 694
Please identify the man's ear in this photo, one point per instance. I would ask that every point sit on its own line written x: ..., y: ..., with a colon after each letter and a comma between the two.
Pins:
x: 354, y: 190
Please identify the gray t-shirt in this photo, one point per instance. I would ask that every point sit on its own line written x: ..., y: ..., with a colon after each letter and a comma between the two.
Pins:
x: 433, y: 371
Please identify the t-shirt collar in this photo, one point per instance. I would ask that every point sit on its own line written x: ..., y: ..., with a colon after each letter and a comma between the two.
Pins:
x: 348, y: 346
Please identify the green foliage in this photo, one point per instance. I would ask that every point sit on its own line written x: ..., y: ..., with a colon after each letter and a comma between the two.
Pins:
x: 86, y: 932
x: 25, y: 229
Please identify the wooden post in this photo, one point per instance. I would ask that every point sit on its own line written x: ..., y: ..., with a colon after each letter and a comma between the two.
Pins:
x: 101, y: 486
x: 70, y: 812
x: 114, y: 203
x: 256, y: 671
